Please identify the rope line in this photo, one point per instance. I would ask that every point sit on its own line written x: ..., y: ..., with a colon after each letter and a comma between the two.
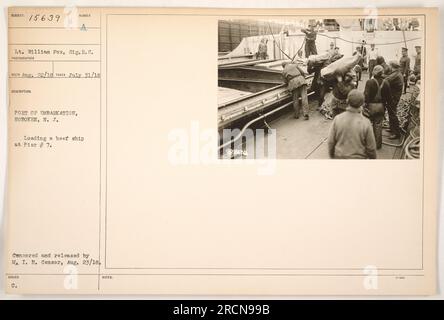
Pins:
x: 355, y: 42
x: 279, y: 47
x: 376, y: 44
x: 303, y: 42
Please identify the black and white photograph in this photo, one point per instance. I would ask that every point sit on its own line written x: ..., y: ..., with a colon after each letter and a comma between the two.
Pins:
x: 131, y: 168
x: 298, y: 88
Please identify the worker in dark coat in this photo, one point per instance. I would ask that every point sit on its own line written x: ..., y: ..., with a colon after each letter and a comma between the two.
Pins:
x: 377, y: 99
x: 319, y: 85
x: 404, y: 64
x: 363, y: 50
x: 396, y: 82
x: 336, y: 102
x: 295, y: 78
x: 381, y: 61
x: 351, y: 134
x: 310, y: 41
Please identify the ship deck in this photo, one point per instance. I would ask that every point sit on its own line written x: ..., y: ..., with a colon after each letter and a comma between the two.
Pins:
x: 301, y: 139
x: 307, y: 139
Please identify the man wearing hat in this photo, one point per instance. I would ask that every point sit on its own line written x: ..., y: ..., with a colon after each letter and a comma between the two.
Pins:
x: 396, y: 82
x: 310, y: 40
x: 381, y: 61
x: 351, y: 134
x: 377, y: 99
x: 404, y: 63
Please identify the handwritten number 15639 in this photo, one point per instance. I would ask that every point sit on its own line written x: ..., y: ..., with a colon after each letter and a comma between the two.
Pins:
x: 44, y: 17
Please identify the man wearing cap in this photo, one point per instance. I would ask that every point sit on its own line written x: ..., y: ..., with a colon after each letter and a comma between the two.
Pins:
x: 396, y: 82
x: 377, y: 99
x: 294, y: 76
x: 381, y: 61
x: 335, y: 55
x: 363, y: 49
x: 404, y: 63
x: 310, y: 40
x: 351, y: 134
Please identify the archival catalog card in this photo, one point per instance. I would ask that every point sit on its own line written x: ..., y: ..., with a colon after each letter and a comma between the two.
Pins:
x: 220, y: 151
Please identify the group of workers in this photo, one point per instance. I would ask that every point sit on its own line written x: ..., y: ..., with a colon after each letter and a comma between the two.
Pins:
x: 356, y: 131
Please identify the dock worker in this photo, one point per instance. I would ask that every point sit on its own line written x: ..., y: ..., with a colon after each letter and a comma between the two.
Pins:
x: 413, y: 92
x: 335, y: 55
x: 358, y: 70
x: 360, y: 63
x: 372, y: 55
x: 363, y: 52
x: 310, y: 40
x: 377, y: 99
x: 262, y: 50
x: 363, y: 49
x: 409, y: 99
x: 319, y: 85
x: 297, y: 85
x: 404, y: 64
x: 396, y: 82
x: 381, y: 61
x: 351, y: 134
x: 336, y: 102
